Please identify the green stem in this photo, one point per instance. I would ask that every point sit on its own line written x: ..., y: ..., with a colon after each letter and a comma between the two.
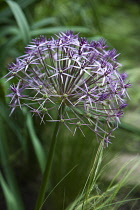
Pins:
x: 46, y: 174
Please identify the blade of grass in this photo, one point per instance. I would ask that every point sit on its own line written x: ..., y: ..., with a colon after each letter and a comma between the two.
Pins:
x: 5, y: 49
x: 111, y: 192
x: 93, y: 173
x: 8, y: 30
x: 8, y: 195
x: 58, y: 184
x: 123, y: 181
x: 23, y: 4
x: 123, y: 168
x: 122, y: 202
x: 130, y: 128
x: 52, y: 30
x: 81, y: 202
x: 106, y: 199
x: 11, y: 188
x: 44, y: 22
x: 40, y: 154
x: 129, y: 193
x: 21, y: 20
x: 9, y: 121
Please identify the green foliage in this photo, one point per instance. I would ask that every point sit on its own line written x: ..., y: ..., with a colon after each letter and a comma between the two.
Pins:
x: 39, y: 151
x: 9, y: 184
x: 21, y: 21
x: 92, y: 197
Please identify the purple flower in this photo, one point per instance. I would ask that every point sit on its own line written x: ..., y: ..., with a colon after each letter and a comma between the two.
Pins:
x: 16, y: 95
x: 103, y: 96
x: 122, y: 106
x: 123, y: 76
x: 77, y: 79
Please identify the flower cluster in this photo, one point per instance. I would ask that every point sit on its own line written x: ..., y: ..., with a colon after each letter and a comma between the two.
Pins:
x: 72, y: 78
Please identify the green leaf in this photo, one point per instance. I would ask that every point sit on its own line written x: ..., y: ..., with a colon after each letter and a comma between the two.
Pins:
x: 9, y: 197
x: 9, y: 187
x: 44, y: 22
x: 23, y: 4
x: 8, y: 30
x: 9, y: 121
x: 52, y: 30
x: 21, y: 20
x: 6, y: 48
x: 40, y: 154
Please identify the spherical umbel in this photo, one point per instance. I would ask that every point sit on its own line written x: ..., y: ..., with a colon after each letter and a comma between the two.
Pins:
x: 76, y: 78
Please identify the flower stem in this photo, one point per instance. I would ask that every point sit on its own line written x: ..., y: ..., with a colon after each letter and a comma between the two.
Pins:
x: 47, y: 170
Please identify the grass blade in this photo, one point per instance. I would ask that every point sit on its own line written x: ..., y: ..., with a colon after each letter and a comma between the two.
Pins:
x: 21, y: 20
x: 9, y: 197
x: 13, y: 125
x: 8, y: 30
x: 44, y: 22
x: 10, y: 189
x: 40, y: 154
x: 52, y: 30
x: 6, y: 48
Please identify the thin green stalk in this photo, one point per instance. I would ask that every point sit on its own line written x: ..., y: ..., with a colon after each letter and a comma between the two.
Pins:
x: 46, y: 174
x: 91, y: 181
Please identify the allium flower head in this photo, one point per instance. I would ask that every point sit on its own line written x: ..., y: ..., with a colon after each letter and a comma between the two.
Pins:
x: 73, y: 78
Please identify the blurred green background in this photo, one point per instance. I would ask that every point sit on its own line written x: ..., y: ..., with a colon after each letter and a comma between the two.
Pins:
x: 24, y: 142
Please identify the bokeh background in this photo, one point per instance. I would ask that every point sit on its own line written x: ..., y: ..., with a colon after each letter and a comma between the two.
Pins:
x: 24, y: 143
